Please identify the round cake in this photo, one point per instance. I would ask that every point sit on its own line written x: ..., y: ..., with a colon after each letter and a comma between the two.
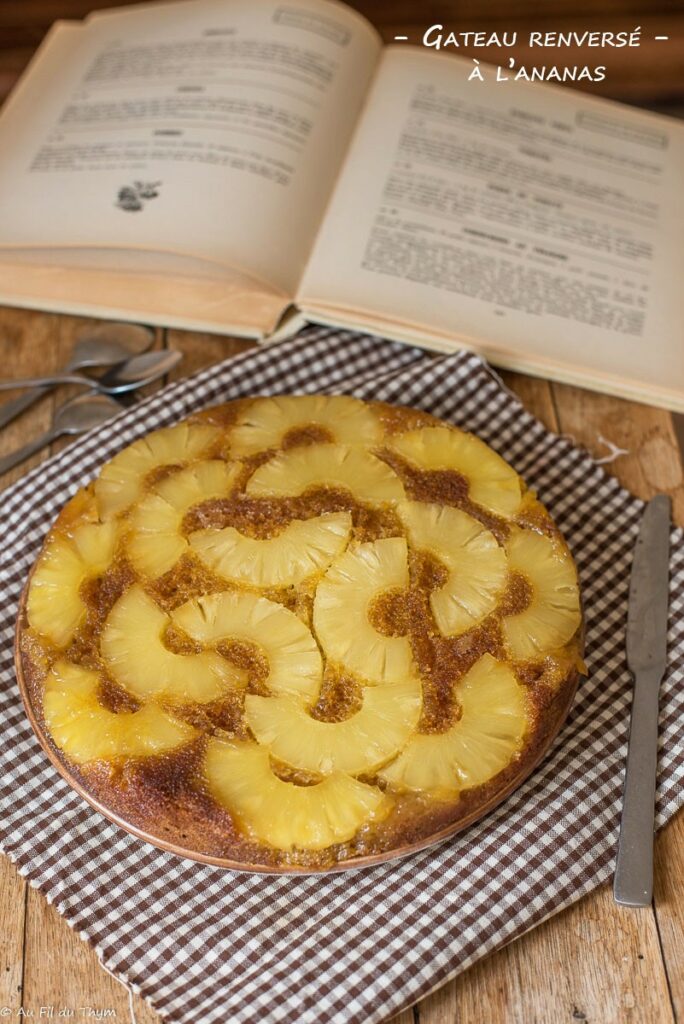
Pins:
x: 300, y: 633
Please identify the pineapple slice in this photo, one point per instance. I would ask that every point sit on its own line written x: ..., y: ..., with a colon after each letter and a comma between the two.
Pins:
x: 342, y: 603
x: 491, y: 481
x: 475, y: 562
x: 483, y: 742
x: 132, y: 646
x: 553, y: 615
x: 326, y: 465
x: 121, y: 480
x: 86, y: 731
x: 156, y: 543
x: 55, y: 607
x: 302, y: 548
x: 268, y: 421
x: 282, y: 814
x: 362, y: 743
x: 295, y: 666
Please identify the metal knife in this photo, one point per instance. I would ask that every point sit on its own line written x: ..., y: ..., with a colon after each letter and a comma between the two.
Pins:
x: 646, y: 658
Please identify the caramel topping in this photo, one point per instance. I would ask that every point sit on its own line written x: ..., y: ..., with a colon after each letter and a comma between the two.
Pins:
x: 168, y: 793
x: 114, y: 697
x: 186, y: 580
x: 179, y: 643
x: 443, y: 487
x: 389, y: 613
x: 295, y: 775
x: 221, y: 716
x: 101, y: 594
x: 247, y: 656
x: 159, y: 473
x: 310, y: 434
x: 266, y: 517
x: 340, y: 697
x: 518, y: 595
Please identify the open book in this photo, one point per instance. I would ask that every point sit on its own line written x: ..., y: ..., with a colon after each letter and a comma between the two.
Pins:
x: 219, y: 164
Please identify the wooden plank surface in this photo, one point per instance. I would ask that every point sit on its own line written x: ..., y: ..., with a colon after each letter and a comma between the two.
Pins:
x: 595, y: 962
x: 589, y: 964
x: 12, y: 912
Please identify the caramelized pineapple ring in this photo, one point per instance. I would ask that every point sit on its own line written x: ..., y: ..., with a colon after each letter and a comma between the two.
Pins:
x: 317, y: 576
x: 86, y: 731
x: 297, y: 470
x: 132, y: 647
x: 303, y: 548
x: 282, y: 814
x: 295, y: 666
x: 475, y: 562
x: 156, y: 542
x: 362, y: 743
x: 55, y: 607
x: 491, y: 481
x: 120, y: 481
x: 268, y: 421
x: 553, y: 615
x: 483, y: 742
x: 342, y: 603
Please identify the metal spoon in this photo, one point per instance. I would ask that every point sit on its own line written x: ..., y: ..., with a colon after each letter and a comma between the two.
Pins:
x: 103, y: 344
x: 74, y: 417
x: 126, y: 376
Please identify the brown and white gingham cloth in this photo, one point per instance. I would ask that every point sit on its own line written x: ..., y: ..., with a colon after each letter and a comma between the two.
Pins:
x: 222, y: 947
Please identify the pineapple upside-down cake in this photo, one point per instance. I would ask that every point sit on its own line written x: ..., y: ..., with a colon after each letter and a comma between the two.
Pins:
x: 301, y: 633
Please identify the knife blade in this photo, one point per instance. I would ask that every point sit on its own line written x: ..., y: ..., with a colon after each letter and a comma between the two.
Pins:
x: 647, y: 618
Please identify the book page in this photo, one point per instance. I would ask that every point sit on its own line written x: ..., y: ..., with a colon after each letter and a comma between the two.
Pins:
x: 209, y: 129
x: 539, y: 226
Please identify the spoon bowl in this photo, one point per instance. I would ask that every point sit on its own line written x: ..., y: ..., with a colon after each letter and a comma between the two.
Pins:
x: 84, y: 413
x: 74, y: 417
x: 109, y: 343
x: 103, y: 345
x: 128, y: 375
x: 136, y: 372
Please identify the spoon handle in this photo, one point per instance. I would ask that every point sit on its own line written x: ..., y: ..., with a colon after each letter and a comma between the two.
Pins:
x: 10, y: 410
x: 42, y: 382
x: 19, y: 454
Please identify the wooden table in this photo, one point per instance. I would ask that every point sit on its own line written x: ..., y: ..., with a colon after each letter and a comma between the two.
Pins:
x: 595, y: 962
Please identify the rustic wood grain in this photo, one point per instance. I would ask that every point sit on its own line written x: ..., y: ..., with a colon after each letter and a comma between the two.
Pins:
x: 589, y: 964
x: 57, y: 968
x: 669, y: 907
x: 407, y: 1017
x: 594, y: 963
x: 12, y: 908
x: 22, y: 336
x: 653, y: 463
x: 201, y: 350
x: 62, y: 971
x: 599, y: 963
x: 535, y: 394
x: 595, y: 960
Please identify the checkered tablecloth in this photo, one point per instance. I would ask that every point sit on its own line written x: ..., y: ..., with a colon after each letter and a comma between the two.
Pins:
x: 220, y: 947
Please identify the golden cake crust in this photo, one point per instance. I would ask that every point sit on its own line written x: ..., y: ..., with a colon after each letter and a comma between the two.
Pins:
x: 164, y: 798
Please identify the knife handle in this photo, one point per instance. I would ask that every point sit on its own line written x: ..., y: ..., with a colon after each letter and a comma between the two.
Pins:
x: 633, y: 885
